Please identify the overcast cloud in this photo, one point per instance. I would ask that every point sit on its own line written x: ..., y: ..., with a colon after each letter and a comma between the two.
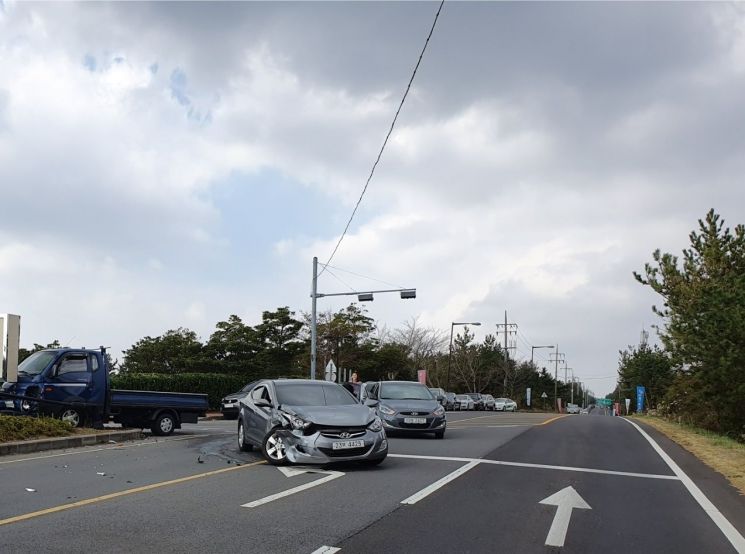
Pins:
x: 168, y: 164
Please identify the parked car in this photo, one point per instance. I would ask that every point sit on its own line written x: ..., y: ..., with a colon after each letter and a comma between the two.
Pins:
x: 408, y: 406
x: 464, y: 401
x: 229, y: 405
x: 572, y: 409
x: 439, y: 395
x: 488, y: 400
x: 450, y: 402
x: 478, y: 401
x: 505, y: 405
x: 309, y: 422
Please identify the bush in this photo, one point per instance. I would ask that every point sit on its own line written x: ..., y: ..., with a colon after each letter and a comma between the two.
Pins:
x: 214, y: 385
x: 17, y: 428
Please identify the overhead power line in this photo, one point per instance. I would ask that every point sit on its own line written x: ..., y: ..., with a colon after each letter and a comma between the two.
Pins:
x: 387, y: 136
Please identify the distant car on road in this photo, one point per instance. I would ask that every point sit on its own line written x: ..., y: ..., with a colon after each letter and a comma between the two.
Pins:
x: 439, y: 395
x: 465, y: 402
x: 505, y: 405
x: 229, y: 405
x: 478, y: 401
x: 489, y: 402
x: 408, y: 406
x: 572, y: 409
x: 310, y: 422
x: 450, y: 402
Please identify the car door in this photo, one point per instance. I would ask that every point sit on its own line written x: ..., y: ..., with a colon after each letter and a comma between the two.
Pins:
x: 258, y: 418
x: 71, y: 379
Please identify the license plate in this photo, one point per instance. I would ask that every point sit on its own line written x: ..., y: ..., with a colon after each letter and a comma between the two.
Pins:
x: 343, y: 445
x: 415, y: 420
x: 9, y: 404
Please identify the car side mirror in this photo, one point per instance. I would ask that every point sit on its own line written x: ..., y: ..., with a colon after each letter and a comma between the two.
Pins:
x: 371, y: 403
x: 440, y: 398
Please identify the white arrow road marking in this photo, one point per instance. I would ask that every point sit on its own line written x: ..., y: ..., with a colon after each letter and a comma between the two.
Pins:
x: 565, y: 501
x: 326, y: 550
x: 290, y: 472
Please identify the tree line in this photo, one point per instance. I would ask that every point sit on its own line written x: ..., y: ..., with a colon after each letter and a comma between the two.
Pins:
x: 697, y: 375
x: 279, y: 346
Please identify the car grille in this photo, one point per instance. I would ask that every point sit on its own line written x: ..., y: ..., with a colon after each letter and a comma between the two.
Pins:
x: 344, y: 453
x: 333, y: 431
x: 337, y: 433
x: 415, y: 413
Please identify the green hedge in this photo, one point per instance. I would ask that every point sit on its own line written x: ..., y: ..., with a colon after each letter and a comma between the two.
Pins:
x: 214, y: 385
x: 15, y: 428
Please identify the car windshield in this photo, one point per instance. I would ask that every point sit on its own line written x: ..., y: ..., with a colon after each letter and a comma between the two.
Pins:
x: 474, y: 395
x: 462, y: 397
x: 304, y: 394
x: 404, y: 391
x: 36, y: 363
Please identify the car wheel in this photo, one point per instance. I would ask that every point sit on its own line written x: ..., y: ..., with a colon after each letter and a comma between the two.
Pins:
x: 440, y: 434
x: 273, y: 448
x: 72, y: 416
x: 163, y: 425
x: 243, y: 446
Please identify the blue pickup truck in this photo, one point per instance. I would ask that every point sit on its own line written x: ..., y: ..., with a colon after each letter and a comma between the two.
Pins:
x: 74, y: 384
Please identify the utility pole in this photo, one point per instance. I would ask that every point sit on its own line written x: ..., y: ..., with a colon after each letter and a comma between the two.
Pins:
x: 556, y: 374
x: 313, y: 323
x: 509, y: 328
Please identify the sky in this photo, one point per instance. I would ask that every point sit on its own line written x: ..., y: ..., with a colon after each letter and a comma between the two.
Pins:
x: 170, y: 164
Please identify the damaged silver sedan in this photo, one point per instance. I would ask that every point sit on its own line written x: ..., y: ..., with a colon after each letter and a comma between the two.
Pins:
x: 309, y: 422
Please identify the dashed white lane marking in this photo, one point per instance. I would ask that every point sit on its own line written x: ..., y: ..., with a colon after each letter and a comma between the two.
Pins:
x: 537, y: 466
x: 729, y: 531
x: 326, y: 550
x: 330, y: 476
x: 425, y: 492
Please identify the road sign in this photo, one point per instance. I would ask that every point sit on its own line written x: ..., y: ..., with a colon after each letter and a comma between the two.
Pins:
x: 544, y: 395
x: 331, y: 371
x: 640, y: 398
x: 527, y: 397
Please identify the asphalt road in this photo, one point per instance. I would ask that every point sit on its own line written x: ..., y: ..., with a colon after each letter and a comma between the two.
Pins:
x: 478, y: 490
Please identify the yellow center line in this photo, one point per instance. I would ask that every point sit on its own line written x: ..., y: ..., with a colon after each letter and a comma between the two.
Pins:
x: 552, y: 419
x: 88, y: 501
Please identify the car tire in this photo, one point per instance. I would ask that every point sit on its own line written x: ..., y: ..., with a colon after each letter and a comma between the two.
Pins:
x: 243, y: 446
x: 440, y: 434
x: 163, y: 425
x: 273, y: 448
x: 73, y: 416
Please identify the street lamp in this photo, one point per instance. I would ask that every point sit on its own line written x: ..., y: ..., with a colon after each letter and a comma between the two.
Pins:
x: 532, y: 348
x: 450, y: 351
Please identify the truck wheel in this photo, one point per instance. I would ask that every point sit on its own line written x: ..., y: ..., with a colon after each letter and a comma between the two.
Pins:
x: 163, y: 425
x: 72, y: 416
x: 273, y: 448
x: 243, y: 446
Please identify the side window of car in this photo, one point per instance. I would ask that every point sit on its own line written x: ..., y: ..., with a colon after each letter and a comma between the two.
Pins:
x: 258, y: 393
x: 73, y: 363
x: 94, y: 362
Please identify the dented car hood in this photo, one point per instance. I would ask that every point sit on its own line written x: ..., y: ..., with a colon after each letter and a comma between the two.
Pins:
x: 353, y: 415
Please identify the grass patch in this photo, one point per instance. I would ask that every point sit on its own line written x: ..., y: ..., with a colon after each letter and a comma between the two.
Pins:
x: 18, y: 428
x: 723, y: 454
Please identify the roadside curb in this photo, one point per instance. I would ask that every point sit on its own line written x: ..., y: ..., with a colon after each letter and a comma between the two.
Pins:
x: 39, y: 445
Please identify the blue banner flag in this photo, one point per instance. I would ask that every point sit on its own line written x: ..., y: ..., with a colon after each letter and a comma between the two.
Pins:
x: 639, y: 398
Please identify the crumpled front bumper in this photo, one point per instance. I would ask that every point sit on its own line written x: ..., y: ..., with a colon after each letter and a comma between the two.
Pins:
x: 318, y: 449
